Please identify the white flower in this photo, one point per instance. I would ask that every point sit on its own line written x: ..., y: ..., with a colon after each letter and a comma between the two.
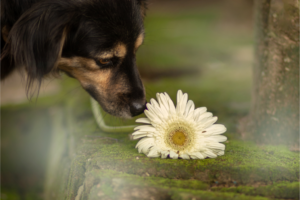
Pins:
x: 181, y: 132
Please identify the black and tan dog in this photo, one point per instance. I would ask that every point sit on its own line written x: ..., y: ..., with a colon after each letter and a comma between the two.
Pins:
x: 94, y: 41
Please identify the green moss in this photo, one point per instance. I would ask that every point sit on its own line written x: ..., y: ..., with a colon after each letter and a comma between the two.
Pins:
x: 243, y: 163
x: 76, y: 177
x: 148, y: 180
x: 115, y: 185
x: 284, y: 190
x: 183, y: 194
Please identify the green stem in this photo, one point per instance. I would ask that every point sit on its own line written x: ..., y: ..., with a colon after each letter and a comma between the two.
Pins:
x: 100, y: 121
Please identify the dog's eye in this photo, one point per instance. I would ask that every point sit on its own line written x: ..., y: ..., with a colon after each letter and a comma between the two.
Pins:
x: 104, y: 61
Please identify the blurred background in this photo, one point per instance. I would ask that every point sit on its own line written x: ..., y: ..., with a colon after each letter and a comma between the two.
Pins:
x: 204, y: 48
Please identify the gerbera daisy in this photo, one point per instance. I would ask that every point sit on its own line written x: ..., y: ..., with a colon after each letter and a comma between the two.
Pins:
x: 179, y: 132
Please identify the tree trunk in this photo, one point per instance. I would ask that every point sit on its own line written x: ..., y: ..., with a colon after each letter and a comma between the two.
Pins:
x: 274, y: 116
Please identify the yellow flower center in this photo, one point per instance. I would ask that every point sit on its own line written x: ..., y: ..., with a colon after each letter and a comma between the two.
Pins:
x: 178, y: 138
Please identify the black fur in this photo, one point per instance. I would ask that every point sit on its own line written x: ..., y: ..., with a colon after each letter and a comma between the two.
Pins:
x: 43, y: 31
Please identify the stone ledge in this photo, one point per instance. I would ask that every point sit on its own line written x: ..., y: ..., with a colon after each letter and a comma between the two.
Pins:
x: 114, y: 185
x: 96, y: 157
x: 242, y: 164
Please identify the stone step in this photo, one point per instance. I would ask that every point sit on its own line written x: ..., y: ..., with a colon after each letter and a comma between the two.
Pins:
x: 91, y: 162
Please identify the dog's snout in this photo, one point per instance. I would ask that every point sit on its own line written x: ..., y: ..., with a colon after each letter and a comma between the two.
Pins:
x: 137, y: 107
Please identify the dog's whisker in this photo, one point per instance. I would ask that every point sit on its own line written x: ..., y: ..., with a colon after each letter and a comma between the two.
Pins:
x: 149, y: 93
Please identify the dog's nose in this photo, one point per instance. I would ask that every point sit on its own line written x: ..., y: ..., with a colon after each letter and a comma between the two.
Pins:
x: 137, y: 107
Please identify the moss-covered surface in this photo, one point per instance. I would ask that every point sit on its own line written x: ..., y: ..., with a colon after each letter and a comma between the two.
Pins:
x: 113, y: 185
x: 284, y: 190
x: 107, y: 166
x: 240, y: 165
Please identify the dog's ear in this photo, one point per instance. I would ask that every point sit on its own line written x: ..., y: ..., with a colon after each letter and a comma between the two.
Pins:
x: 36, y: 39
x: 143, y: 6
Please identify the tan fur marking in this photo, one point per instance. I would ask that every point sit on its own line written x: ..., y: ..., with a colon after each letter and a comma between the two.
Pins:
x: 62, y: 42
x: 139, y: 41
x: 86, y: 71
x: 106, y: 55
x: 120, y: 50
x: 77, y: 62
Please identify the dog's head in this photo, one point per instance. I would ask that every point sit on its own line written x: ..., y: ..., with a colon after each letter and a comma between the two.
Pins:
x: 94, y: 41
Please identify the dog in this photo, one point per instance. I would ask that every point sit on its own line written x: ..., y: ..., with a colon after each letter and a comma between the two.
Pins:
x: 93, y: 41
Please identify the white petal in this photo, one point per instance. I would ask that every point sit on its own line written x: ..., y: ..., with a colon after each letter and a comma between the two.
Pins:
x: 143, y: 141
x: 189, y: 107
x: 156, y: 106
x: 173, y: 155
x: 168, y: 100
x: 151, y: 108
x: 204, y: 117
x: 172, y: 108
x: 138, y: 132
x: 164, y: 107
x: 216, y: 129
x: 218, y: 138
x: 152, y: 117
x: 161, y: 101
x: 164, y: 154
x: 156, y: 112
x: 140, y: 136
x: 153, y: 153
x: 179, y: 108
x: 184, y: 99
x: 189, y: 117
x: 179, y: 96
x: 145, y: 148
x: 209, y: 122
x: 215, y: 145
x: 154, y: 103
x: 182, y: 104
x: 165, y: 100
x: 143, y: 120
x: 220, y: 153
x: 148, y: 128
x: 167, y: 96
x: 198, y: 155
x: 184, y: 156
x: 198, y: 112
x: 209, y: 153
